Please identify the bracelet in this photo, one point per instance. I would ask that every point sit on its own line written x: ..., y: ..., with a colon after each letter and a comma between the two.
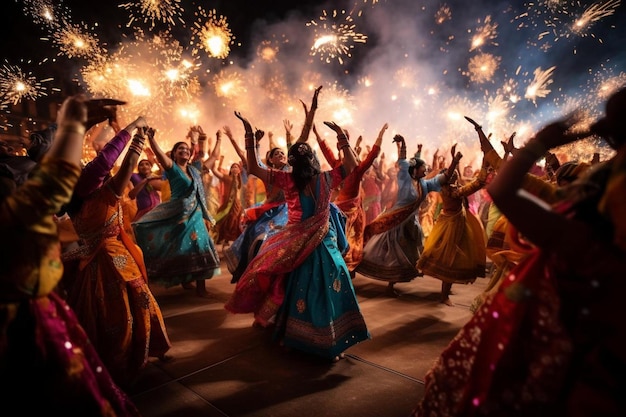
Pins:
x: 536, y: 148
x: 70, y: 129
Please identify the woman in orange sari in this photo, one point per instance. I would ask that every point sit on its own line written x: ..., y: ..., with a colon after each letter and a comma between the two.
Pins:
x: 108, y: 286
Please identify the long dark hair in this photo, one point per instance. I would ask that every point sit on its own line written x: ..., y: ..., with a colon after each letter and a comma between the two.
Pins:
x: 304, y: 163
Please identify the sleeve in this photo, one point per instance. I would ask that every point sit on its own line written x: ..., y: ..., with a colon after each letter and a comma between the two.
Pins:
x: 94, y: 173
x: 332, y: 160
x: 369, y: 159
x: 337, y: 175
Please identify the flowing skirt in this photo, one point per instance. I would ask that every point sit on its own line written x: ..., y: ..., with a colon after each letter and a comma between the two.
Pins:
x: 392, y: 255
x: 320, y: 313
x: 454, y: 251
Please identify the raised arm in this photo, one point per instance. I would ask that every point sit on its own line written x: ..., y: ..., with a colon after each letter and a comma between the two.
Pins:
x: 332, y: 160
x: 122, y: 177
x: 349, y: 159
x: 215, y: 153
x: 164, y: 160
x: 309, y: 116
x: 254, y: 168
x: 288, y: 135
x: 532, y: 218
x: 238, y: 150
x: 97, y: 169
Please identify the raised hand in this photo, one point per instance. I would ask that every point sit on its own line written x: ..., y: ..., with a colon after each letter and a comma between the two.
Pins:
x: 508, y: 145
x: 246, y: 124
x: 258, y: 134
x: 472, y: 121
x: 334, y: 126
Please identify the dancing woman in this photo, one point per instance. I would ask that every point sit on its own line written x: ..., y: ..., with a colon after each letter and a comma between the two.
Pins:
x: 299, y: 279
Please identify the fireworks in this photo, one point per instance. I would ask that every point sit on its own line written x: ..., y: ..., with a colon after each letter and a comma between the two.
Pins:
x: 46, y: 12
x: 268, y: 51
x: 443, y: 14
x: 229, y: 85
x: 482, y: 67
x: 16, y: 85
x: 74, y: 41
x: 539, y: 85
x: 484, y: 34
x: 335, y: 36
x: 211, y: 34
x: 592, y: 14
x: 153, y: 11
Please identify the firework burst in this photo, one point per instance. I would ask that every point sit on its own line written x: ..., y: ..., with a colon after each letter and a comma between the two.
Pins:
x: 443, y: 14
x: 335, y: 36
x: 17, y: 85
x: 484, y: 35
x: 47, y: 13
x: 211, y: 34
x: 153, y: 11
x: 267, y: 51
x: 538, y: 87
x: 592, y: 14
x: 483, y: 67
x: 76, y: 41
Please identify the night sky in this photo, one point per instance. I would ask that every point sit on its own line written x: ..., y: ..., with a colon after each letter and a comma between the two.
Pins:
x: 416, y: 66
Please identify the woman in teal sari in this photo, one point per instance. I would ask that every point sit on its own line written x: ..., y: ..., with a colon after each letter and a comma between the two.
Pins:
x: 174, y: 237
x: 299, y: 279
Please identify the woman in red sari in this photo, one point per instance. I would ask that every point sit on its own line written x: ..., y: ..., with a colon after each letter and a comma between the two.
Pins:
x: 550, y: 341
x: 350, y: 198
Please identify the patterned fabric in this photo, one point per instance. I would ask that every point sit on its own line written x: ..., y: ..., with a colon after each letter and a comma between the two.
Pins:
x: 548, y: 342
x: 454, y: 251
x: 107, y: 288
x: 350, y: 201
x: 176, y: 244
x: 395, y: 240
x: 300, y: 277
x: 52, y: 366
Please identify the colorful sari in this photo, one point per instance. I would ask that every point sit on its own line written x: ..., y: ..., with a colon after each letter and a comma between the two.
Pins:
x: 176, y: 244
x: 299, y: 276
x: 108, y: 289
x: 46, y: 359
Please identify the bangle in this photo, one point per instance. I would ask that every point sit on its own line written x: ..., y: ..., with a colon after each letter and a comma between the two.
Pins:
x: 72, y: 127
x: 66, y: 130
x: 536, y: 148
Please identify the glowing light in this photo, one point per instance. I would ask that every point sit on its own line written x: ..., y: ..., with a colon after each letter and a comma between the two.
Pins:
x: 46, y: 12
x: 335, y: 36
x: 592, y: 14
x: 211, y: 34
x: 483, y: 67
x: 17, y: 85
x: 539, y: 85
x: 484, y: 35
x: 74, y: 41
x: 229, y: 85
x: 166, y: 11
x: 443, y: 14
